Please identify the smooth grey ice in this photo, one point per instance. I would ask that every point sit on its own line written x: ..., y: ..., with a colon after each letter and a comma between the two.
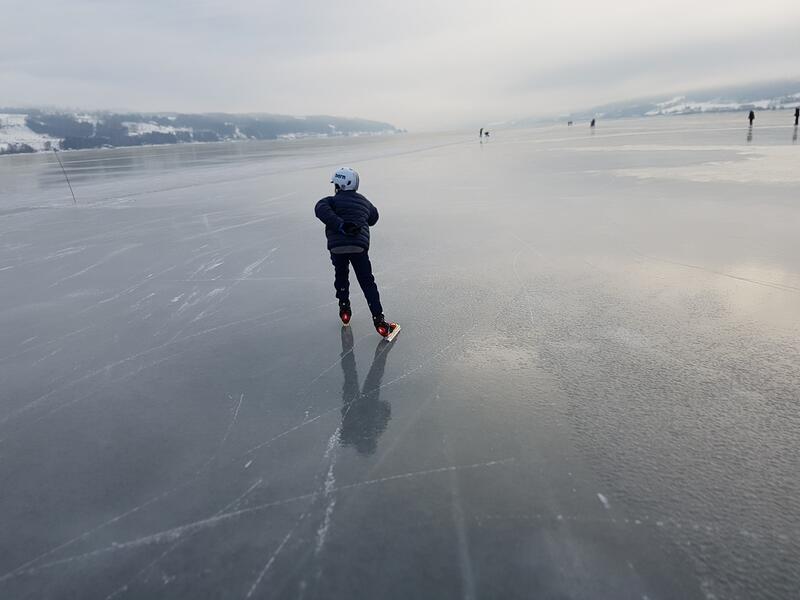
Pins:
x: 594, y: 395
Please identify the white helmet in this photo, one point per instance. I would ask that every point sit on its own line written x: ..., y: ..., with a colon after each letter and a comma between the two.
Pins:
x: 345, y: 178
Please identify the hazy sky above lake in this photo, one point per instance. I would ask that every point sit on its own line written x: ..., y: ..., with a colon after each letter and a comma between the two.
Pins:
x: 415, y: 63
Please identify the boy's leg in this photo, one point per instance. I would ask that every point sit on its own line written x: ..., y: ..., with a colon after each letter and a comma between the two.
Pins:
x: 363, y: 269
x: 341, y: 275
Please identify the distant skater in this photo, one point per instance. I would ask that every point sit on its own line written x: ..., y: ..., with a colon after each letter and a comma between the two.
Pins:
x: 751, y: 117
x: 796, y: 116
x: 348, y: 216
x: 592, y: 124
x: 481, y: 134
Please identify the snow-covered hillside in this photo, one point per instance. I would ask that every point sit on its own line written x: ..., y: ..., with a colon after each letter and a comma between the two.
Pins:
x: 15, y: 135
x: 681, y: 105
x: 31, y: 130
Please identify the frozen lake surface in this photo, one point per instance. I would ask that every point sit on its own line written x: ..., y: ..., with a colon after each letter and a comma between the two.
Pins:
x: 594, y: 395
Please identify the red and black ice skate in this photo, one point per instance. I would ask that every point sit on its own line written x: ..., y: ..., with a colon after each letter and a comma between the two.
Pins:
x: 345, y: 313
x: 387, y: 330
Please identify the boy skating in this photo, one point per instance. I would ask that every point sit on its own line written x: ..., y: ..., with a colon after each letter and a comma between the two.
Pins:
x: 348, y: 216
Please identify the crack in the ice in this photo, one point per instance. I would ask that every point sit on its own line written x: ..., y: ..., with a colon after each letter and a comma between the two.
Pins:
x: 103, y: 260
x: 269, y: 563
x: 462, y: 550
x: 136, y: 509
x: 109, y: 366
x: 124, y: 588
x: 640, y: 521
x: 778, y: 286
x: 176, y: 533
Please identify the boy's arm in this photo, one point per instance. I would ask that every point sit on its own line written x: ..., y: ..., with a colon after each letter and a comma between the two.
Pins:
x: 373, y: 215
x: 325, y: 213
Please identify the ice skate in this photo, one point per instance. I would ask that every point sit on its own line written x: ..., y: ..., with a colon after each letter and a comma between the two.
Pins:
x: 345, y: 313
x: 386, y: 329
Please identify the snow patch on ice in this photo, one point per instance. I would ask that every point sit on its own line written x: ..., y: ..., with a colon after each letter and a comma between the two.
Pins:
x: 604, y: 501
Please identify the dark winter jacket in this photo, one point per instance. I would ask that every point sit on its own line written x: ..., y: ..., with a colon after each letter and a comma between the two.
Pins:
x: 346, y: 207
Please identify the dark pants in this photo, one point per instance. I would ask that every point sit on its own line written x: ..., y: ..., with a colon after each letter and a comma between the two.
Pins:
x: 363, y: 270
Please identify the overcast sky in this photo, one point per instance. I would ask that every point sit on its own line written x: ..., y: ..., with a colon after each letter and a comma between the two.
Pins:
x: 419, y: 64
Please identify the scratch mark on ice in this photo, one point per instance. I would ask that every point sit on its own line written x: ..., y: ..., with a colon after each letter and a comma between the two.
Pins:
x: 175, y: 533
x: 233, y: 420
x: 124, y: 588
x: 253, y: 267
x: 229, y: 227
x: 105, y: 259
x: 104, y: 369
x: 462, y: 550
x: 328, y: 491
x: 269, y: 563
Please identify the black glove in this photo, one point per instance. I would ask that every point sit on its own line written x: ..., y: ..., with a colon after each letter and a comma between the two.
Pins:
x: 351, y: 228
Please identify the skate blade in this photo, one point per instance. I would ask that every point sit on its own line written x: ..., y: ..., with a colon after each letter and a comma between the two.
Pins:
x: 393, y: 335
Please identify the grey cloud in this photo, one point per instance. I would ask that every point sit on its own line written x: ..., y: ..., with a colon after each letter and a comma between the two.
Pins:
x: 684, y: 59
x: 417, y: 64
